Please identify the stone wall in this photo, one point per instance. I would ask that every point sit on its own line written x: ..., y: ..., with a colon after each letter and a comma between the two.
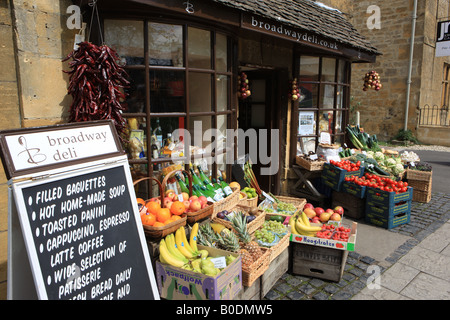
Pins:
x: 33, y: 89
x: 383, y: 112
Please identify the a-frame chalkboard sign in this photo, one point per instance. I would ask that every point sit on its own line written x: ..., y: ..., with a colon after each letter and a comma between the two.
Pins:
x: 74, y: 230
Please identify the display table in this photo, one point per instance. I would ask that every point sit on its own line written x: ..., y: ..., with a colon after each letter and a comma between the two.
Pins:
x: 304, y: 188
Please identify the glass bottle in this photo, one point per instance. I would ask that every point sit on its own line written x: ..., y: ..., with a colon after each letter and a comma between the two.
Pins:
x: 217, y: 187
x: 203, y: 177
x: 211, y: 194
x: 226, y: 188
x: 182, y: 184
x: 158, y: 133
x: 195, y: 179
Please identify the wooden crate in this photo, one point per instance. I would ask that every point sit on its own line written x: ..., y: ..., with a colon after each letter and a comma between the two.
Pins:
x: 277, y: 268
x: 252, y: 292
x: 317, y: 262
x: 354, y: 207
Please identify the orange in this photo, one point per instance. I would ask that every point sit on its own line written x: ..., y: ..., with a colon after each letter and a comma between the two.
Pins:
x: 175, y: 218
x: 158, y: 224
x: 162, y: 215
x: 153, y: 207
x: 177, y: 208
x: 148, y: 219
x: 141, y: 201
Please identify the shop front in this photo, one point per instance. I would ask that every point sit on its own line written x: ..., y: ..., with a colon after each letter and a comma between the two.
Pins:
x: 186, y: 60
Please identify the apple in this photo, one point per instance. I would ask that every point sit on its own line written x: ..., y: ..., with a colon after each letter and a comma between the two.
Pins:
x: 335, y: 216
x: 310, y: 213
x: 195, y: 205
x: 319, y: 211
x: 170, y: 194
x: 186, y: 204
x: 325, y: 216
x: 185, y: 196
x: 167, y: 202
x: 308, y: 205
x: 156, y: 199
x: 204, y: 205
x: 339, y: 210
x: 192, y: 198
x: 202, y: 199
x: 330, y: 211
x: 315, y: 220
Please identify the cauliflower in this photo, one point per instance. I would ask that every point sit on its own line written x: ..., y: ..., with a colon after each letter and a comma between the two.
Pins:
x: 398, y: 169
x: 390, y: 162
x: 379, y: 156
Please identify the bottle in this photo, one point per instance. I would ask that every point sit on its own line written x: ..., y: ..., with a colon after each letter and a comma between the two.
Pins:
x: 158, y: 134
x: 211, y: 194
x: 196, y: 191
x: 182, y: 184
x: 226, y: 188
x: 203, y: 177
x: 217, y: 187
x: 155, y: 155
x: 195, y: 179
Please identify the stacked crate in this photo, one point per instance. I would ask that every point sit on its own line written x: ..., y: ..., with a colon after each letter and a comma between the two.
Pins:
x: 421, y: 181
x: 388, y: 209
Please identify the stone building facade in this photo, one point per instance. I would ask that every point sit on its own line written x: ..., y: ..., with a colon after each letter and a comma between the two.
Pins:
x: 383, y: 112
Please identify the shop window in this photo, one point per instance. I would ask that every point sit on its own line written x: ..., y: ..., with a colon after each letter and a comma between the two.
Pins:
x: 180, y: 79
x: 323, y: 104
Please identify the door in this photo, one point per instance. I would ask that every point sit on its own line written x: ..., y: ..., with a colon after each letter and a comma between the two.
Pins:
x: 259, y: 114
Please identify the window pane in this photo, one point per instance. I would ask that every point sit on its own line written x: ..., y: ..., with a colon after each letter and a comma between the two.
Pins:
x: 127, y: 38
x: 165, y: 44
x: 308, y: 95
x: 309, y: 68
x: 197, y: 127
x: 339, y: 121
x: 328, y: 69
x: 199, y: 48
x: 341, y: 72
x: 200, y: 97
x: 340, y: 97
x: 222, y: 84
x: 305, y: 145
x: 307, y: 123
x: 327, y: 96
x: 326, y: 121
x: 136, y: 92
x: 167, y: 91
x: 221, y: 53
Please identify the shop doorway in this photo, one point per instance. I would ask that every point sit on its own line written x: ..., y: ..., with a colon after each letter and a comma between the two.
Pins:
x: 262, y: 110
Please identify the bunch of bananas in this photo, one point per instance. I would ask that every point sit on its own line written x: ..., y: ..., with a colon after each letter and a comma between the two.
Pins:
x: 177, y: 251
x: 299, y: 224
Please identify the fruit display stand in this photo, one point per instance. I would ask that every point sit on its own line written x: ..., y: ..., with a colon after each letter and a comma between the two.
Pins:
x: 181, y: 284
x: 318, y: 257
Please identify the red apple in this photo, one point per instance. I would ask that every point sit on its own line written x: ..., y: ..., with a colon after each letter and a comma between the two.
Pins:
x: 325, y: 216
x: 186, y: 204
x: 310, y: 213
x: 204, y: 205
x: 202, y: 199
x: 192, y: 198
x: 319, y: 211
x: 315, y: 220
x: 167, y: 202
x: 335, y: 216
x: 195, y: 205
x: 156, y: 199
x: 339, y: 210
x: 308, y: 205
x: 330, y: 211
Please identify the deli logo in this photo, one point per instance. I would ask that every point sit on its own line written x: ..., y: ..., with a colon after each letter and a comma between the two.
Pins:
x: 442, y: 31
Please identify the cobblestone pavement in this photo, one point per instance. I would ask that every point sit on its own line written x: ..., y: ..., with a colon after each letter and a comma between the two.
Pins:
x: 425, y: 219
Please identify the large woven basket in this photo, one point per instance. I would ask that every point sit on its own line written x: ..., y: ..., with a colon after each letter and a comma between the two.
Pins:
x: 256, y: 269
x: 316, y: 165
x: 251, y: 226
x: 157, y: 233
x: 227, y: 203
x: 419, y: 175
x: 299, y: 203
x: 198, y: 215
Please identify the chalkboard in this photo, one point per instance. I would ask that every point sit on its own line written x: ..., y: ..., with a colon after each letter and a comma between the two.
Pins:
x: 84, y: 237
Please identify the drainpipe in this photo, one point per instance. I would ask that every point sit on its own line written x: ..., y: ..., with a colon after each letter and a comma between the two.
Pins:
x: 411, y: 52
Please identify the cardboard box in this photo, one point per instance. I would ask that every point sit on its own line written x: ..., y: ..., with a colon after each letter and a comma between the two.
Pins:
x: 181, y: 284
x: 328, y: 243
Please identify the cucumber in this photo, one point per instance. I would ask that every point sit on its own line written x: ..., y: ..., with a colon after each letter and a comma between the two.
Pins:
x: 277, y: 218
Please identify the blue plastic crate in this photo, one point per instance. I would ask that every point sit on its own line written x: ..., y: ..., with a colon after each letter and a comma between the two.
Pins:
x: 387, y: 211
x: 333, y: 176
x: 388, y: 222
x: 386, y: 198
x: 354, y: 189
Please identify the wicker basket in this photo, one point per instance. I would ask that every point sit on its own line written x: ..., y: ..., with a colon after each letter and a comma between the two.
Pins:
x: 420, y: 185
x: 252, y: 226
x: 198, y: 215
x: 252, y: 202
x: 277, y: 249
x: 227, y: 203
x: 157, y: 233
x: 299, y: 203
x: 418, y: 175
x: 256, y: 269
x: 421, y: 196
x: 316, y: 165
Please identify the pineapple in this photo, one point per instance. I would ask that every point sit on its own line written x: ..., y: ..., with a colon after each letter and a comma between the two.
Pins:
x: 246, y: 258
x: 229, y: 241
x: 240, y: 225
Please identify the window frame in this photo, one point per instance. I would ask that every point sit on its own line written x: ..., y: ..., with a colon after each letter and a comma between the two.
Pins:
x: 318, y: 108
x: 148, y: 115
